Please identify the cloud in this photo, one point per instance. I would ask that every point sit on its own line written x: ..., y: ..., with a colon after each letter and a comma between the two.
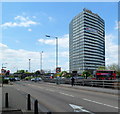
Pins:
x: 20, y: 21
x: 29, y: 30
x: 117, y: 25
x: 111, y: 49
x: 19, y: 59
x: 3, y: 45
x: 62, y: 41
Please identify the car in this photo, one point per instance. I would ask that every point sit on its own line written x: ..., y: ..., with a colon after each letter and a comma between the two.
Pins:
x: 77, y: 77
x: 17, y: 79
x: 36, y: 79
x: 12, y: 79
x: 6, y: 78
x: 33, y: 79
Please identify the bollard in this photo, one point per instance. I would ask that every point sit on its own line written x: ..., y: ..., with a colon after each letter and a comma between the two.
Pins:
x: 28, y: 102
x: 6, y: 100
x: 36, y: 107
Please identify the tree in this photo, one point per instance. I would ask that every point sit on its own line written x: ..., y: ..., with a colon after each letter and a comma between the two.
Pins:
x: 21, y: 71
x: 115, y: 67
x: 86, y: 74
x: 63, y: 73
x: 101, y: 68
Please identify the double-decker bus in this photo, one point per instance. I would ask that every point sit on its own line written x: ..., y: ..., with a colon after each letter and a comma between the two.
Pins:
x: 105, y: 74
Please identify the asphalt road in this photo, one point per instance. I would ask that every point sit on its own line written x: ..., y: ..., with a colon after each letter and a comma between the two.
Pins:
x: 58, y: 98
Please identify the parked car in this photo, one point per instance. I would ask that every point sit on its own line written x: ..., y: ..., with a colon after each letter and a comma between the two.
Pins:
x: 77, y: 77
x: 6, y: 78
x: 12, y: 79
x: 17, y: 79
x: 36, y: 79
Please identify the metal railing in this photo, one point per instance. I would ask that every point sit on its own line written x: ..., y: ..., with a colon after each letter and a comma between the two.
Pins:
x: 88, y: 82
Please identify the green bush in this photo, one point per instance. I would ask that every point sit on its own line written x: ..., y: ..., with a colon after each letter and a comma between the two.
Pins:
x: 5, y: 81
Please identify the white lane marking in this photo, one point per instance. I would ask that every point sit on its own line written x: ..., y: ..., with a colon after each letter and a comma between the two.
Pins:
x: 66, y: 94
x: 100, y: 103
x: 35, y: 86
x: 18, y: 89
x: 50, y: 90
x: 79, y: 108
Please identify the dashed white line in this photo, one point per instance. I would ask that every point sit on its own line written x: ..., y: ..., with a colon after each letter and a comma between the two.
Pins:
x: 100, y: 103
x: 50, y: 90
x: 66, y: 94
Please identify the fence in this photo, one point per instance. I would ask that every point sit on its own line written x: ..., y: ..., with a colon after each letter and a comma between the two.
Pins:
x: 88, y: 82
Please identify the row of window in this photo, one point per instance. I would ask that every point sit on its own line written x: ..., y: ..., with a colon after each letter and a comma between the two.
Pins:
x: 95, y: 36
x: 94, y: 45
x: 93, y: 41
x: 93, y: 31
x: 94, y: 22
x: 97, y: 20
x: 82, y: 55
x: 76, y: 58
x: 93, y: 48
x: 93, y: 51
x: 94, y: 56
x: 88, y: 23
x: 93, y: 27
x: 89, y: 14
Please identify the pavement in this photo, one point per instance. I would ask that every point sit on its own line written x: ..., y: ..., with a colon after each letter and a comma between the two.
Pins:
x: 95, y: 89
x: 17, y: 101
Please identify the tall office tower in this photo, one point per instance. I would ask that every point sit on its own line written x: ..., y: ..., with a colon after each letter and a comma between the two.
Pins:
x: 86, y: 42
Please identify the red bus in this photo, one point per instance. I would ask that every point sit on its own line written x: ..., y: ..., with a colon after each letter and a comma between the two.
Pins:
x: 105, y: 74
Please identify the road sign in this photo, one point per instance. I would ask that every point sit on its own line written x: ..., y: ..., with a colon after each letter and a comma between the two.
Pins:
x: 58, y: 69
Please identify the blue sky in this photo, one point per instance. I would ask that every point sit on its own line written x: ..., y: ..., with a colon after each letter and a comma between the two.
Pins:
x: 25, y: 24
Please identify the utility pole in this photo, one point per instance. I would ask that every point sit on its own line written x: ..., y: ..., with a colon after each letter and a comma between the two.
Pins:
x: 29, y: 65
x: 41, y: 60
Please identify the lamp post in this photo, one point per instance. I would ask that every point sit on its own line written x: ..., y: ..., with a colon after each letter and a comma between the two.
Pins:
x: 1, y: 71
x: 41, y: 60
x: 29, y: 65
x: 56, y: 48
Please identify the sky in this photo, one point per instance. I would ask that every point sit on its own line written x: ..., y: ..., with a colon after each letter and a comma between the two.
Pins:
x: 25, y: 24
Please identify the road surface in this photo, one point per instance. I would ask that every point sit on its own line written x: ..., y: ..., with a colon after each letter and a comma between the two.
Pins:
x: 58, y: 98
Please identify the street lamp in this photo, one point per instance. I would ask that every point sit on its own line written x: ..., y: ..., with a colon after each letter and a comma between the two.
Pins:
x: 41, y: 60
x: 3, y: 65
x: 56, y: 49
x: 29, y: 65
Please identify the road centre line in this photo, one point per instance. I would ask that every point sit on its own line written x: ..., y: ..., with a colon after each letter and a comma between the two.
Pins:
x: 66, y: 94
x: 99, y: 103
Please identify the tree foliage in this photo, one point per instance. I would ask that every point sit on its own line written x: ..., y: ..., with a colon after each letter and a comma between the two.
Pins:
x: 102, y: 68
x: 115, y: 67
x: 86, y: 74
